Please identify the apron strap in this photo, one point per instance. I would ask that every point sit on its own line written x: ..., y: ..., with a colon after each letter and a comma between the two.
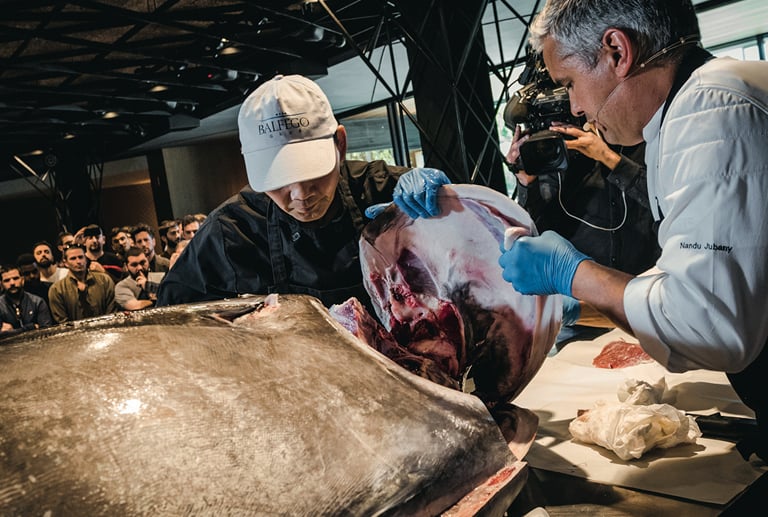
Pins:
x: 693, y: 60
x: 276, y: 253
x: 349, y: 203
x: 276, y: 249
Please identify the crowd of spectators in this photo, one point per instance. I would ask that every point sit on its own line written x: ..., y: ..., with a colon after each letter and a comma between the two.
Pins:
x: 89, y: 273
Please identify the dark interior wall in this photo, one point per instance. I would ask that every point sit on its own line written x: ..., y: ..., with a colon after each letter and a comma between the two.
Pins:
x: 32, y: 218
x: 26, y: 220
x: 201, y: 177
x: 127, y: 206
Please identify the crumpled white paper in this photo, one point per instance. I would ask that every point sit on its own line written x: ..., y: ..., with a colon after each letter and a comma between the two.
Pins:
x: 636, y: 424
x: 642, y: 393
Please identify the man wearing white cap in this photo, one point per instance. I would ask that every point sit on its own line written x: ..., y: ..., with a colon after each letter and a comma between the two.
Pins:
x: 295, y: 229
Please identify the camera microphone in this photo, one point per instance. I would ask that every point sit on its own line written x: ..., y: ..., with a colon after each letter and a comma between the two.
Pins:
x: 514, y: 112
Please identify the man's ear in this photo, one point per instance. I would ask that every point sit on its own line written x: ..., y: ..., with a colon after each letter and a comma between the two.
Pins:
x: 341, y: 141
x: 619, y: 47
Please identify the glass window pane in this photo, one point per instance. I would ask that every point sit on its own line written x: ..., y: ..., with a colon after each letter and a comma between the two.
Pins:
x: 369, y: 138
x: 748, y: 51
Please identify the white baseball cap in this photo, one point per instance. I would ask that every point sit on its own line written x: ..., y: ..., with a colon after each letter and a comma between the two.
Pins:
x: 286, y: 133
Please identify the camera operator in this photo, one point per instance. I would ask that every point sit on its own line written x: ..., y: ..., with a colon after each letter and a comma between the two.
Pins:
x: 594, y: 189
x: 599, y: 204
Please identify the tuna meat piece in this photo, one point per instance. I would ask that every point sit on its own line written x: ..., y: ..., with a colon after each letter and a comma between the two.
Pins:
x: 621, y: 354
x: 243, y: 407
x: 436, y: 286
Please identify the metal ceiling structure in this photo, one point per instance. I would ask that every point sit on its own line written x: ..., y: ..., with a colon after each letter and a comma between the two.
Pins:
x: 104, y: 77
x: 85, y: 82
x: 107, y: 75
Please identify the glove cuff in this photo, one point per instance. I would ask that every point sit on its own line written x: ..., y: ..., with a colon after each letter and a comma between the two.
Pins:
x: 572, y: 261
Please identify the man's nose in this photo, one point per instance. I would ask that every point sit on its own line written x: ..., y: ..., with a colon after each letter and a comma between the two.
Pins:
x: 300, y: 190
x: 576, y: 110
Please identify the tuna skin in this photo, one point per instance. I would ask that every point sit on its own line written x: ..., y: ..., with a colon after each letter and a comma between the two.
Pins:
x: 232, y: 407
x: 436, y: 286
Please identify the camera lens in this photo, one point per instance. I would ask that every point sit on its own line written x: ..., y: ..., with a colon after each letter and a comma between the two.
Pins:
x: 545, y: 152
x: 548, y: 151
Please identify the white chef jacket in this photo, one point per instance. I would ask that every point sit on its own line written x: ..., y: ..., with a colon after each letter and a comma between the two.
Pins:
x: 706, y: 303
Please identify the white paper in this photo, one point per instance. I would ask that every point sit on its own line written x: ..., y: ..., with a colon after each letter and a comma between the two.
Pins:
x: 710, y: 471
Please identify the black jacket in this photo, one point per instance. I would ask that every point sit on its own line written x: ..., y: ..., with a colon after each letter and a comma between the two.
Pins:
x: 32, y: 311
x: 248, y: 245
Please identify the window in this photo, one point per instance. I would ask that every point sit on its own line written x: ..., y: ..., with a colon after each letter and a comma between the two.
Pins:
x: 743, y: 51
x: 369, y: 137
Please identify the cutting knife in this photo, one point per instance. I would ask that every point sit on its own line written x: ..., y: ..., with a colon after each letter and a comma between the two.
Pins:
x: 725, y: 427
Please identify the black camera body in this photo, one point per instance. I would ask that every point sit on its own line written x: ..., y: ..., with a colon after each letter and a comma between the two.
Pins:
x: 534, y: 107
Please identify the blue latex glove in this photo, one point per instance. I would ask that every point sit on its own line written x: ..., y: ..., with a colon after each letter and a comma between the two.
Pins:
x: 416, y: 192
x: 571, y: 311
x: 373, y: 211
x: 541, y: 265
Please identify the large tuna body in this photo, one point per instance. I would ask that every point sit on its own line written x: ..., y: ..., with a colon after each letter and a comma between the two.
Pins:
x: 230, y: 408
x: 437, y: 288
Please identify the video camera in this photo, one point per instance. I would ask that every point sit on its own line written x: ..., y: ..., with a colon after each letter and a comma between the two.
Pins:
x: 534, y: 107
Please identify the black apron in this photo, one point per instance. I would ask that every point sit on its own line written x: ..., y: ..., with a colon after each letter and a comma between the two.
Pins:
x: 277, y: 254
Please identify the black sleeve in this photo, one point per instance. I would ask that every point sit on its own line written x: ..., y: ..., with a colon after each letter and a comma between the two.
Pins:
x: 538, y: 195
x: 190, y: 278
x: 228, y: 256
x: 630, y: 177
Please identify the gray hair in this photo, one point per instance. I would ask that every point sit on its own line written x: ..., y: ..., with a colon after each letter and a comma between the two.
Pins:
x: 653, y: 26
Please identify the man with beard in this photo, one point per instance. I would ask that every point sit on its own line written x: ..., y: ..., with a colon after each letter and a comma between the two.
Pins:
x: 32, y: 283
x: 50, y: 273
x: 170, y: 235
x: 144, y: 238
x: 100, y: 260
x: 83, y: 293
x: 136, y: 292
x: 19, y: 310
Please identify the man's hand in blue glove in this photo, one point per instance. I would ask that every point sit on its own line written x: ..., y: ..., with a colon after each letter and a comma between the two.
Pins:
x: 416, y: 192
x: 541, y: 265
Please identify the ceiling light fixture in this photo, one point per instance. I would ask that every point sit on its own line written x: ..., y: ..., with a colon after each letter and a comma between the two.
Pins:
x: 24, y: 164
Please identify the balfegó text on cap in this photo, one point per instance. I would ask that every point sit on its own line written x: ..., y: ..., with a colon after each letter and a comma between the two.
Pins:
x: 286, y: 133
